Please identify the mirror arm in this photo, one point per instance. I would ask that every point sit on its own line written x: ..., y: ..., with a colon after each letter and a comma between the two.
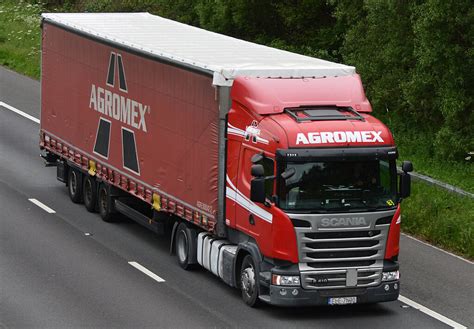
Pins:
x: 275, y: 198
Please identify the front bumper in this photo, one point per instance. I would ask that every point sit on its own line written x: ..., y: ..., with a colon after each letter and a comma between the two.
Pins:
x: 297, y: 296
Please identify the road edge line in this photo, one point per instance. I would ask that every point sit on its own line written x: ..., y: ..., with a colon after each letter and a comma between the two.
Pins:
x: 17, y: 111
x: 431, y: 313
x: 147, y: 272
x: 437, y: 248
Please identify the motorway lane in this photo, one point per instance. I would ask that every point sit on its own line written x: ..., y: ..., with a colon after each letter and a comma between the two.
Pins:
x: 53, y: 276
x: 191, y: 297
x: 437, y: 280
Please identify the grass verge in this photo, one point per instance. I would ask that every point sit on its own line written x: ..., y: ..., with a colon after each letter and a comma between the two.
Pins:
x: 455, y: 173
x: 415, y: 145
x: 20, y: 37
x: 440, y: 217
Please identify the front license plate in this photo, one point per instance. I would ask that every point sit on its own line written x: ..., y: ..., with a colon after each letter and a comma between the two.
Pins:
x: 342, y: 300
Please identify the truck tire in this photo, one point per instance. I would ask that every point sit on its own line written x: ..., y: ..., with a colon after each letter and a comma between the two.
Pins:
x: 248, y: 282
x: 89, y: 189
x: 105, y: 203
x: 75, y: 185
x: 185, y: 246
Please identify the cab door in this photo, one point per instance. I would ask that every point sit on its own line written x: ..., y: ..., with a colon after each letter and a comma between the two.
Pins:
x: 252, y: 218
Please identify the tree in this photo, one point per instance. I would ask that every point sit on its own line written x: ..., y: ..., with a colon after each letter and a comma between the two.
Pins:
x: 442, y: 82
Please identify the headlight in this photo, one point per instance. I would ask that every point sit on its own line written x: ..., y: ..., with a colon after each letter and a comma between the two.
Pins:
x: 390, y: 276
x: 285, y: 280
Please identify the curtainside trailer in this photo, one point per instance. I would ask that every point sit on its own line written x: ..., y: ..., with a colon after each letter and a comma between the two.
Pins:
x: 264, y: 166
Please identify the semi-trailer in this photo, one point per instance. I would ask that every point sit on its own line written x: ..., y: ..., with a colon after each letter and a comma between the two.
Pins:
x: 264, y: 166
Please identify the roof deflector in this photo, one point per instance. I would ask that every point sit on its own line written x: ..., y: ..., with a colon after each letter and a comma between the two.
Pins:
x: 323, y: 113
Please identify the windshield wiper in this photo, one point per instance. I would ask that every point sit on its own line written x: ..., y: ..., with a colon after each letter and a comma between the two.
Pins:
x: 344, y: 204
x: 341, y: 188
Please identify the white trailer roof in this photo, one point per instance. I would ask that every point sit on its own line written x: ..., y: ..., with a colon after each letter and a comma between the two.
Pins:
x: 223, y: 56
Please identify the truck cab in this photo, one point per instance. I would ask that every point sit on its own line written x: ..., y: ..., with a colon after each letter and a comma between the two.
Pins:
x: 312, y: 187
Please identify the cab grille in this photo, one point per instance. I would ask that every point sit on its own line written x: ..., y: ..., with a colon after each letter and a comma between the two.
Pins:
x: 341, y: 257
x: 342, y: 249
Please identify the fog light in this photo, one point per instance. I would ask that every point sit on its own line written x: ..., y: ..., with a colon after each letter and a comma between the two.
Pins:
x: 395, y: 286
x: 386, y: 287
x: 295, y: 292
x: 285, y: 280
x: 283, y: 292
x: 390, y: 276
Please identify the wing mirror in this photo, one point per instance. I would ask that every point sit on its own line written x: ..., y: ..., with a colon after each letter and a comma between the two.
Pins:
x: 257, y: 185
x: 257, y: 170
x: 257, y: 190
x: 405, y: 179
x: 407, y: 166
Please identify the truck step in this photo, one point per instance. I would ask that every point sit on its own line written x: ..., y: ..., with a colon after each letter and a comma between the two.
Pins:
x: 50, y: 159
x: 264, y: 298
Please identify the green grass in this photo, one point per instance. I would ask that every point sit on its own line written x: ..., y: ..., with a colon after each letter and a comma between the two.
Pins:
x: 433, y: 214
x: 415, y: 145
x: 440, y: 217
x: 455, y: 173
x: 20, y: 37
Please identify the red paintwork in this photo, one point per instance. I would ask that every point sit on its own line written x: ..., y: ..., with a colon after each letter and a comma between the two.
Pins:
x: 178, y: 154
x: 393, y: 240
x: 263, y: 101
x: 270, y: 96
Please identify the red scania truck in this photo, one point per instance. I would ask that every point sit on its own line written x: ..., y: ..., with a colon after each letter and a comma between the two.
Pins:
x: 264, y: 166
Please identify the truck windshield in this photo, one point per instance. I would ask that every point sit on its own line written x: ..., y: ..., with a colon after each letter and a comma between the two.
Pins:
x: 337, y: 186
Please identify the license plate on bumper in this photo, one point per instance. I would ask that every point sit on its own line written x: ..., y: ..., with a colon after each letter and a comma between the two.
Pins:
x: 342, y: 300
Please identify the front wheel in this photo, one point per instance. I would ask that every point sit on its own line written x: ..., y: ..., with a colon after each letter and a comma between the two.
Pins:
x: 248, y: 282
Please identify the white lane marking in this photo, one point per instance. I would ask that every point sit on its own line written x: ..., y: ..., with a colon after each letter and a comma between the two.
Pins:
x: 431, y: 313
x: 439, y: 249
x: 147, y: 272
x: 42, y: 206
x: 17, y: 111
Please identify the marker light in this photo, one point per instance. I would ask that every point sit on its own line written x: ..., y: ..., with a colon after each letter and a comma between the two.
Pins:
x: 390, y: 276
x: 156, y: 202
x: 285, y: 280
x: 92, y: 168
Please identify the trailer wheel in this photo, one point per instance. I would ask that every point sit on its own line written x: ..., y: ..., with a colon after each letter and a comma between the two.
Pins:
x: 75, y: 185
x: 89, y: 189
x: 248, y: 282
x: 105, y: 203
x: 185, y: 246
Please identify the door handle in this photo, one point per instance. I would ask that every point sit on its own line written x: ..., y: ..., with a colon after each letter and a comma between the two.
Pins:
x: 251, y: 220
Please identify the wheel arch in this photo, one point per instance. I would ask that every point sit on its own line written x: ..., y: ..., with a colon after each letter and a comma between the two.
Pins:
x: 244, y: 249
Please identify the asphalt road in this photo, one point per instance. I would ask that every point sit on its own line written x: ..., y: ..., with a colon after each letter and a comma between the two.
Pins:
x: 70, y: 269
